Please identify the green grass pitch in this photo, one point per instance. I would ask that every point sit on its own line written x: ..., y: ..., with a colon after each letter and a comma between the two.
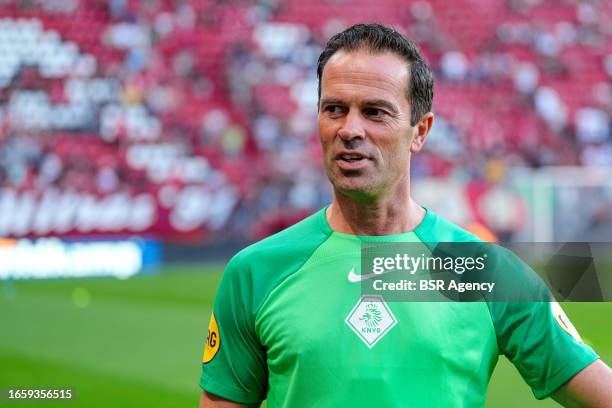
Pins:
x: 138, y: 342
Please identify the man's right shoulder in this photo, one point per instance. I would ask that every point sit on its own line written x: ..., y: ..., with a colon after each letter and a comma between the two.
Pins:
x: 283, y: 251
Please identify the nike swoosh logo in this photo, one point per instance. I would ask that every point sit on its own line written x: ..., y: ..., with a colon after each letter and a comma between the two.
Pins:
x: 354, y: 278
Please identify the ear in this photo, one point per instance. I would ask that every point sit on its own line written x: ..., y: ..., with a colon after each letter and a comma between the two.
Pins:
x: 422, y: 131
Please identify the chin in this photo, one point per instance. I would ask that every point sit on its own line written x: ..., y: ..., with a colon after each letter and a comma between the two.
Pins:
x: 357, y: 189
x: 352, y: 184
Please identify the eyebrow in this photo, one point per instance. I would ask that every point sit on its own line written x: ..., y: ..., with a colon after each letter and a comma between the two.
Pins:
x: 382, y: 103
x: 370, y: 102
x: 330, y: 101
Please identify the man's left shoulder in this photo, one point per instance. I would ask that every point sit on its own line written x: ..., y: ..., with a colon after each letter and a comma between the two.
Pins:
x: 436, y: 228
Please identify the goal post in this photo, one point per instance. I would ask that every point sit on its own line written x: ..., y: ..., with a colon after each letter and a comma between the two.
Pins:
x: 566, y: 204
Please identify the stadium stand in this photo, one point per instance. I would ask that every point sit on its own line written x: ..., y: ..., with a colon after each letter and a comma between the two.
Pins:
x: 173, y: 98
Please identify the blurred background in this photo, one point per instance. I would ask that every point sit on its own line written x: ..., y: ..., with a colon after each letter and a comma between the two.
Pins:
x: 142, y: 143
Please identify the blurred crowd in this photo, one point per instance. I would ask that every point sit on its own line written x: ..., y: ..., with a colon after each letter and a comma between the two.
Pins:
x: 124, y: 95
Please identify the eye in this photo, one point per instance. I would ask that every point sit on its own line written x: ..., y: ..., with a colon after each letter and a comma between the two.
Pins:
x: 374, y: 112
x: 333, y: 109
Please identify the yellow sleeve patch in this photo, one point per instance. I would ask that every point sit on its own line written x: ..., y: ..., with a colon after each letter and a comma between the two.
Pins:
x: 213, y: 341
x: 564, y: 321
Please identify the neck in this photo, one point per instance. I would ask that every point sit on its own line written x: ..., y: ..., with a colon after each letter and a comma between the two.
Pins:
x: 389, y: 215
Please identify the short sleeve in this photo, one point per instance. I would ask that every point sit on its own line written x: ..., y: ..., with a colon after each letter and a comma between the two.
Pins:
x: 234, y: 363
x: 539, y: 339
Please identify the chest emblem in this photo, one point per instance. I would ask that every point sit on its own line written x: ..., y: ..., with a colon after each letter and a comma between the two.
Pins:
x: 371, y: 319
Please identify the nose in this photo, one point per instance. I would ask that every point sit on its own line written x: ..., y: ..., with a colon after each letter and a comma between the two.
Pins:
x: 352, y: 127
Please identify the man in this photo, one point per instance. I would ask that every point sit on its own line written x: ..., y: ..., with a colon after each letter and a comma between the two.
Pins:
x: 285, y: 325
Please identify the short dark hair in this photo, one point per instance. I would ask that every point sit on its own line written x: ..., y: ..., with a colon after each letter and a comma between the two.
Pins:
x: 379, y: 38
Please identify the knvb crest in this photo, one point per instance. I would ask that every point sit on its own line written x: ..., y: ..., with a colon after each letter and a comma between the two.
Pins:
x: 371, y: 319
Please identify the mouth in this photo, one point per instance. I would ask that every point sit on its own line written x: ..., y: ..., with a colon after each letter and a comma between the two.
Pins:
x: 351, y: 160
x: 350, y: 157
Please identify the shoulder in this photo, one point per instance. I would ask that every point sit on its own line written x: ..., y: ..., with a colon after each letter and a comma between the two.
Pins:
x: 300, y: 239
x: 260, y: 267
x: 435, y: 228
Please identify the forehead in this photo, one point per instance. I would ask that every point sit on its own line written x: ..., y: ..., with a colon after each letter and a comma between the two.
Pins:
x: 365, y: 73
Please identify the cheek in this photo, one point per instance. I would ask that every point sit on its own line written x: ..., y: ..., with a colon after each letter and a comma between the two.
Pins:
x: 395, y: 152
x: 325, y: 148
x: 325, y: 134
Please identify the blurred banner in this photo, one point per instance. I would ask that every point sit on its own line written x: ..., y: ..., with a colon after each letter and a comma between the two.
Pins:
x: 52, y: 258
x: 526, y: 205
x: 176, y: 214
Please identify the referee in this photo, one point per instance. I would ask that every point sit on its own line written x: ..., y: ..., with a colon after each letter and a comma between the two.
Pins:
x: 290, y: 324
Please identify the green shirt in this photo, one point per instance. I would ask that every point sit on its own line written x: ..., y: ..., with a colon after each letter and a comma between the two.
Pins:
x: 288, y: 326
